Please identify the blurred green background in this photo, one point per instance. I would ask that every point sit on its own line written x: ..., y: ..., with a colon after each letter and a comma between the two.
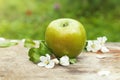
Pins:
x: 29, y: 18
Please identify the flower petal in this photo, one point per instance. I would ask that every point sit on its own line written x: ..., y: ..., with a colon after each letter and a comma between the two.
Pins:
x: 50, y: 65
x: 88, y: 47
x: 104, y: 73
x: 90, y: 42
x: 104, y: 49
x: 64, y: 61
x: 41, y: 64
x: 102, y: 40
x: 56, y: 61
x: 93, y: 46
x: 100, y: 56
x: 48, y: 56
x: 43, y: 58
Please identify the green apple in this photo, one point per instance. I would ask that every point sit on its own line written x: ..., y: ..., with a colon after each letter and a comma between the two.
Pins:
x: 65, y: 37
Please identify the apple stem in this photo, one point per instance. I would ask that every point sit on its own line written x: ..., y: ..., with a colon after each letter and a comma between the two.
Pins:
x: 65, y: 24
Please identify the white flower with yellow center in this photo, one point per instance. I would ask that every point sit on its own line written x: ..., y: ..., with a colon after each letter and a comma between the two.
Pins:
x: 97, y: 45
x: 46, y: 61
x: 93, y: 46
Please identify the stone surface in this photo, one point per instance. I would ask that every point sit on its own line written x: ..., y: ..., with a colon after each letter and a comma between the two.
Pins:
x: 15, y: 65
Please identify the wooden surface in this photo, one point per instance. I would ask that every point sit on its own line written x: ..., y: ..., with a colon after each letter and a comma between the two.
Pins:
x: 14, y: 65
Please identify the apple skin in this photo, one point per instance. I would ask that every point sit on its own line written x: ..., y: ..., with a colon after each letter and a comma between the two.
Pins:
x: 65, y: 37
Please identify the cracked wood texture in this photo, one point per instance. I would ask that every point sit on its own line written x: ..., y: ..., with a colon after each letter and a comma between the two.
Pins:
x: 15, y: 65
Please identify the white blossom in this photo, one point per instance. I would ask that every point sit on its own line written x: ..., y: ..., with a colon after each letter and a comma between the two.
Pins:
x: 97, y: 45
x: 102, y: 40
x: 100, y: 56
x: 93, y: 46
x: 45, y: 61
x: 104, y: 73
x: 64, y: 61
x: 104, y: 49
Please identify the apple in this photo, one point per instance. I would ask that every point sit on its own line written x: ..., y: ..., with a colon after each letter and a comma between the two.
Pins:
x: 65, y: 37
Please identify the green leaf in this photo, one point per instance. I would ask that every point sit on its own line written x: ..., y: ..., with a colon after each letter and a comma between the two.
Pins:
x: 73, y: 60
x: 34, y: 55
x: 29, y: 43
x: 33, y: 51
x: 35, y: 59
x: 7, y: 44
x: 43, y: 49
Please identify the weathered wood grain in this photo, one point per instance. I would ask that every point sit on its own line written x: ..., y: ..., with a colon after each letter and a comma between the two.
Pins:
x: 14, y: 65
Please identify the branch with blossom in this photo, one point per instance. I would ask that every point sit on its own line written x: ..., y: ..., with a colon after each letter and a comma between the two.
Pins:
x: 43, y: 57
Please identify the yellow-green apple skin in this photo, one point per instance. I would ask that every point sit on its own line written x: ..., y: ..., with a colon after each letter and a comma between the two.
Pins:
x: 65, y: 37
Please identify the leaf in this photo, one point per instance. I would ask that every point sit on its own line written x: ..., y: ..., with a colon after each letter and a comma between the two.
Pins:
x: 7, y: 44
x: 73, y: 60
x: 35, y: 58
x: 29, y: 43
x: 33, y: 51
x: 43, y: 49
x: 34, y: 55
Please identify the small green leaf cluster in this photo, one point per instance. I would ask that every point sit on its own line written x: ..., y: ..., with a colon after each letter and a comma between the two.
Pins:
x: 35, y: 53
